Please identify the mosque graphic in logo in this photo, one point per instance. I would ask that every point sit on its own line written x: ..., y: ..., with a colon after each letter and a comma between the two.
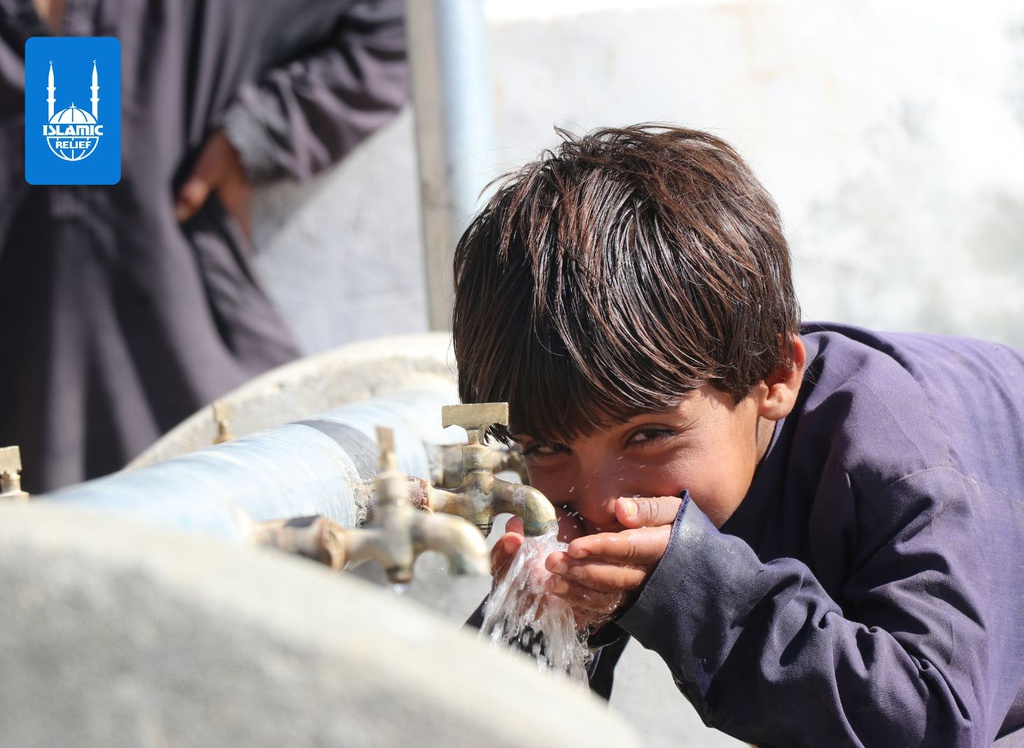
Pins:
x: 73, y: 133
x: 72, y: 130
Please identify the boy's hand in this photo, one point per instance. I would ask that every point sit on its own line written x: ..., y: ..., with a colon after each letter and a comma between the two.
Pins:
x: 601, y: 572
x: 505, y: 549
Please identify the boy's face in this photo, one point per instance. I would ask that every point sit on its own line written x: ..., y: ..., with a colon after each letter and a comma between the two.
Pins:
x: 708, y: 444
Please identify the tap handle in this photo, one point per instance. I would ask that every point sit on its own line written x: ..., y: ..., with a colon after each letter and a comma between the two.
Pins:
x: 475, y: 417
x: 386, y: 449
x: 222, y: 419
x: 390, y: 485
x: 10, y: 474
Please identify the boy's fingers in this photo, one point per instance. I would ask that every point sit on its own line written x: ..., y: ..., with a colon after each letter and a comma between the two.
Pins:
x: 650, y: 512
x: 503, y: 552
x: 643, y: 547
x: 598, y: 576
x: 592, y: 606
x: 515, y: 525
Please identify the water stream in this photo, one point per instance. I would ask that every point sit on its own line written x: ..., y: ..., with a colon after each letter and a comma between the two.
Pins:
x: 521, y: 615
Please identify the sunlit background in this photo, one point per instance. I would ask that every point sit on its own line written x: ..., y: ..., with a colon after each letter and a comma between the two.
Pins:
x: 891, y: 134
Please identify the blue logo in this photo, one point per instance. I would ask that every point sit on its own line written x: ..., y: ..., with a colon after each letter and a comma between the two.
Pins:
x: 72, y: 110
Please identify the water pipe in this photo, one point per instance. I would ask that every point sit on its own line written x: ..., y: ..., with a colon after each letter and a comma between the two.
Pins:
x: 308, y: 486
x: 323, y: 465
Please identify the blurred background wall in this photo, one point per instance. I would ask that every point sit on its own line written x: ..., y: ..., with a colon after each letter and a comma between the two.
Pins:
x: 891, y: 134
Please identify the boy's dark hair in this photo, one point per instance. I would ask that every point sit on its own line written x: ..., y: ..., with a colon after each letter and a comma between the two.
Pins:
x: 615, y: 274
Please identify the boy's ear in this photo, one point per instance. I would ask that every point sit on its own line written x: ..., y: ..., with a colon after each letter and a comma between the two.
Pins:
x: 783, y: 385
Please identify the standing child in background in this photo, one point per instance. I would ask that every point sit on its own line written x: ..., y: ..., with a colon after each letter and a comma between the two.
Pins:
x: 820, y: 529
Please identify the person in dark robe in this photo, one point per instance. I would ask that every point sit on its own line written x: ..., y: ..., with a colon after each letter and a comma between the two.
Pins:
x: 128, y: 307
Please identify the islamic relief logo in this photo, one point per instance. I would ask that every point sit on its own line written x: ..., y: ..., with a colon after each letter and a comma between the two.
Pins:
x: 73, y: 133
x: 68, y: 142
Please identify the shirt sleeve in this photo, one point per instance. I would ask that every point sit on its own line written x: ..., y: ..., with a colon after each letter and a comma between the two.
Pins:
x: 311, y: 111
x: 766, y: 655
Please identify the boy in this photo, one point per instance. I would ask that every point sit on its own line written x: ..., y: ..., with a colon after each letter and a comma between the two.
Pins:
x: 820, y: 529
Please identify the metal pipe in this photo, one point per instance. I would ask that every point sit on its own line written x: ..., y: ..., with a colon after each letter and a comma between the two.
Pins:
x: 319, y: 466
x: 454, y: 119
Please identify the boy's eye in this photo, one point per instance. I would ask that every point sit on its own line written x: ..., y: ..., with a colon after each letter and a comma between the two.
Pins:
x: 648, y: 435
x: 536, y: 449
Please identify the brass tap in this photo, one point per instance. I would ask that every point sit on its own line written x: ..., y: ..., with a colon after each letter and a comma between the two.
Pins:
x: 482, y: 496
x: 447, y: 469
x: 394, y: 537
x: 10, y: 475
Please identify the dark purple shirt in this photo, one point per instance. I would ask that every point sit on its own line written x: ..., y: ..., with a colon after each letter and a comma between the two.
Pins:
x: 870, y: 588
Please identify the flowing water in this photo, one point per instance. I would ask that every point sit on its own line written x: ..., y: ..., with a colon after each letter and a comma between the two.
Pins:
x: 521, y: 615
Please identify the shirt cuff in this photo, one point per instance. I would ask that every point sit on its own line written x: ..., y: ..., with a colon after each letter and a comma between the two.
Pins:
x: 690, y: 598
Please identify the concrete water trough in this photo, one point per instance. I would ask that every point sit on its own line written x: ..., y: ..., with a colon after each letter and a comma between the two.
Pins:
x: 138, y: 612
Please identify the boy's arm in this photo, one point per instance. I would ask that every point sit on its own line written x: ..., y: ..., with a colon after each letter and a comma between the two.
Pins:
x: 765, y: 654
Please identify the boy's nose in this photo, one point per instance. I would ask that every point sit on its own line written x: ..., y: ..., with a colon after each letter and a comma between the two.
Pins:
x: 595, y: 499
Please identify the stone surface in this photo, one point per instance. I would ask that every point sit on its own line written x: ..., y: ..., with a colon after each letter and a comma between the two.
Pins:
x: 315, y: 384
x: 114, y: 634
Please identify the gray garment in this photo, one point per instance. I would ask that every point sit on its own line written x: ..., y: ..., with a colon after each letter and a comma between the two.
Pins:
x: 118, y: 321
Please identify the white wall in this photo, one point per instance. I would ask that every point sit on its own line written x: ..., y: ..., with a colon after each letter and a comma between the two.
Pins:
x: 892, y: 135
